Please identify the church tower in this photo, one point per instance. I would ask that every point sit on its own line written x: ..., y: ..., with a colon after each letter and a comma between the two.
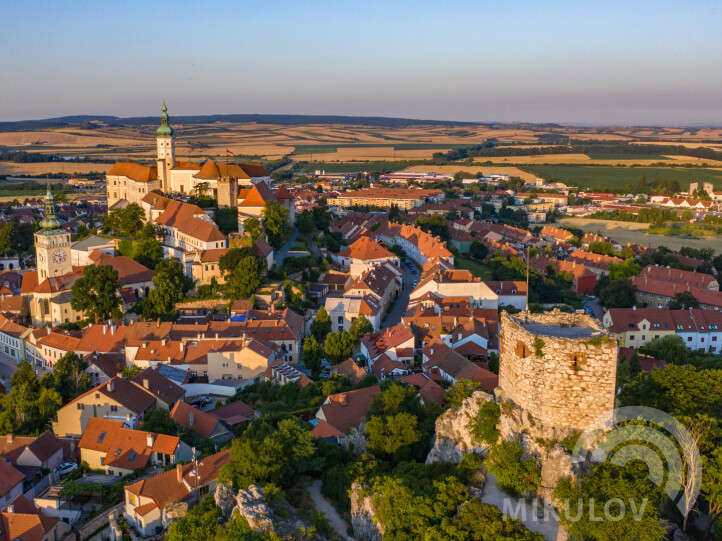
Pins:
x: 166, y: 150
x: 52, y: 244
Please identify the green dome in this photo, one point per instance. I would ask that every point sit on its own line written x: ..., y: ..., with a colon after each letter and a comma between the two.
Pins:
x: 164, y: 130
x: 49, y: 221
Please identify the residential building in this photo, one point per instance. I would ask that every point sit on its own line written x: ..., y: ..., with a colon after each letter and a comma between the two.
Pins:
x: 22, y: 521
x: 346, y: 412
x: 441, y: 360
x: 202, y: 424
x: 364, y: 254
x: 386, y: 197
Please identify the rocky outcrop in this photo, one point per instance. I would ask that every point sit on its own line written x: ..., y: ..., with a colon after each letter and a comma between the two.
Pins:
x: 365, y: 528
x: 453, y: 437
x: 252, y: 506
x: 557, y: 464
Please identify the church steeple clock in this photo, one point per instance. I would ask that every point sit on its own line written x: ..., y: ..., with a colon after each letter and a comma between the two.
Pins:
x: 166, y: 150
x: 52, y: 244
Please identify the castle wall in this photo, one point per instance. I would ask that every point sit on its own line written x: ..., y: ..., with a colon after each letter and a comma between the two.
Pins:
x: 571, y: 383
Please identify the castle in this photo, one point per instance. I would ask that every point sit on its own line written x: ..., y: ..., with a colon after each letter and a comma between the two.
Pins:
x: 131, y: 182
x: 560, y: 368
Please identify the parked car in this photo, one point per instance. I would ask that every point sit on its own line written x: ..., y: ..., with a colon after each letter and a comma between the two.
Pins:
x: 66, y: 467
x: 416, y: 282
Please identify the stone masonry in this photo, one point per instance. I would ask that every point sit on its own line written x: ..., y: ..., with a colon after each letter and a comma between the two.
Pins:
x: 561, y: 368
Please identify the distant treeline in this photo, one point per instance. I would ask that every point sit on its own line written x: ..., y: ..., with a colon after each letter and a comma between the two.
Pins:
x: 21, y: 156
x: 491, y: 150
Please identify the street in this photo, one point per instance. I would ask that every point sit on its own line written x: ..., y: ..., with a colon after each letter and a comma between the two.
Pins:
x: 394, y: 317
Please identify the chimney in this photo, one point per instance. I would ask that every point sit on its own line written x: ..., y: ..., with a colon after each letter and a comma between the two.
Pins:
x: 9, y: 438
x: 163, y: 341
x: 112, y: 329
x: 179, y: 473
x: 191, y: 419
x: 634, y: 307
x: 146, y: 383
x: 181, y: 345
x: 111, y: 385
x: 157, y: 323
x: 10, y: 509
x: 105, y: 328
x: 431, y: 352
x: 343, y: 400
x: 149, y: 439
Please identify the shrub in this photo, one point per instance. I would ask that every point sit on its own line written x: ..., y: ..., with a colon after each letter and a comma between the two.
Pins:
x: 513, y: 474
x: 483, y: 426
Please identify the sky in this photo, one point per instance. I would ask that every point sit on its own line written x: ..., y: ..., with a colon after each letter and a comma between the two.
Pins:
x: 633, y: 62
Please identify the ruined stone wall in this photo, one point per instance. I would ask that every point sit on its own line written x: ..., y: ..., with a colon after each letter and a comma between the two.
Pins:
x: 561, y: 381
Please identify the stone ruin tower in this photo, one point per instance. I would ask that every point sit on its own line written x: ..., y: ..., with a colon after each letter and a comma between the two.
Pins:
x: 559, y: 368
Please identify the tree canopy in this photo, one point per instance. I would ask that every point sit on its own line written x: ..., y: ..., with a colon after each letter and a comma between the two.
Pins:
x: 96, y: 293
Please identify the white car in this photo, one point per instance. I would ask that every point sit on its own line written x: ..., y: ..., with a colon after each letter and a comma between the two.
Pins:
x: 66, y: 467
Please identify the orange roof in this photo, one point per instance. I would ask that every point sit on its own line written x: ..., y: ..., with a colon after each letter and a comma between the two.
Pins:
x: 182, y: 216
x: 129, y: 271
x: 257, y: 197
x: 26, y: 522
x: 135, y: 171
x: 165, y: 487
x: 125, y: 448
x: 213, y: 255
x: 9, y: 478
x: 201, y: 423
x: 366, y: 249
x: 121, y: 390
x: 324, y: 430
x: 344, y: 411
x: 60, y: 341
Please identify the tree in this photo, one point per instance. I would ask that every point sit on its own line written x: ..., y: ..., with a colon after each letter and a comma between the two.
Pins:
x: 360, y: 327
x: 70, y: 377
x: 712, y: 487
x: 389, y: 434
x: 201, y: 522
x: 149, y: 253
x: 322, y: 214
x: 130, y: 370
x: 275, y: 223
x: 670, y: 348
x: 624, y: 270
x: 312, y: 356
x: 460, y: 391
x: 160, y: 422
x: 321, y: 325
x: 264, y: 454
x: 618, y: 293
x: 587, y: 497
x: 683, y: 301
x: 96, y: 293
x: 232, y: 258
x: 601, y: 247
x: 304, y: 222
x: 29, y: 406
x: 171, y: 285
x: 512, y: 473
x: 244, y: 279
x: 478, y: 250
x: 253, y: 226
x: 338, y: 347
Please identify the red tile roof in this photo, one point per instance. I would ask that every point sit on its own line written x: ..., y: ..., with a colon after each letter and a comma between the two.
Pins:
x: 345, y: 411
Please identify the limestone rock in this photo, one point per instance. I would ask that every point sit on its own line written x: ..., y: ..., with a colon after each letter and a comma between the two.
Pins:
x: 444, y: 450
x: 225, y: 499
x: 453, y: 424
x: 556, y: 465
x: 362, y: 516
x: 253, y: 507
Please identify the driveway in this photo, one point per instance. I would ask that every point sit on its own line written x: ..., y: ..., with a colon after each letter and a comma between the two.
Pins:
x: 402, y: 302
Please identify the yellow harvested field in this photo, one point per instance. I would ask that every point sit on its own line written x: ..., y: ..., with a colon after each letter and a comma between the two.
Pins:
x: 484, y: 170
x: 9, y: 168
x: 370, y: 154
x: 541, y: 158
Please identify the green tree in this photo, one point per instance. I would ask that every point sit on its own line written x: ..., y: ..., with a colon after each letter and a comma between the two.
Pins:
x: 275, y: 223
x: 483, y: 425
x: 200, y: 522
x: 96, y: 293
x: 601, y: 247
x: 478, y: 250
x: 171, y: 285
x: 160, y: 422
x: 70, y: 377
x: 253, y: 226
x: 265, y: 454
x: 360, y: 327
x: 624, y: 270
x: 587, y: 497
x: 130, y: 370
x: 618, y: 293
x: 304, y: 222
x: 683, y: 301
x: 513, y: 474
x: 29, y: 406
x: 460, y: 391
x: 321, y: 325
x: 712, y: 487
x: 244, y: 279
x: 670, y: 348
x: 389, y: 434
x: 312, y: 356
x: 338, y: 346
x: 322, y: 214
x: 149, y: 253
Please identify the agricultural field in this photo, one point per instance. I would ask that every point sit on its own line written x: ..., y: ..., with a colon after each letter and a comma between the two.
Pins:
x: 596, y: 177
x: 624, y: 232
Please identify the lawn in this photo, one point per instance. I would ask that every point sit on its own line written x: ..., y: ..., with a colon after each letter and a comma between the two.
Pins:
x: 596, y: 177
x: 476, y: 268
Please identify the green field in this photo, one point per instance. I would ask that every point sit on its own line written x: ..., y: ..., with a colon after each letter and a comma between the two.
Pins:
x: 477, y: 269
x: 595, y: 177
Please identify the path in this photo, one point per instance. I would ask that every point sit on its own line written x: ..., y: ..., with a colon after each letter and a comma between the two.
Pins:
x: 281, y: 254
x: 339, y: 525
x: 402, y: 302
x: 527, y: 513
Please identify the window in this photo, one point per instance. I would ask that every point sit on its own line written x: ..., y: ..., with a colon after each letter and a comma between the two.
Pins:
x: 340, y: 320
x: 631, y: 337
x: 644, y: 337
x: 689, y: 339
x: 113, y: 408
x: 132, y: 456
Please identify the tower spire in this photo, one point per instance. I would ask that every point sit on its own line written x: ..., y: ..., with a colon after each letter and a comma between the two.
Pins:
x: 49, y: 221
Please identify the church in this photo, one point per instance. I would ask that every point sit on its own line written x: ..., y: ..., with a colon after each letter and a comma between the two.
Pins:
x: 47, y: 291
x: 131, y: 182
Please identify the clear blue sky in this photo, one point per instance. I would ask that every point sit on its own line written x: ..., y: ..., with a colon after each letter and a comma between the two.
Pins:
x: 622, y: 62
